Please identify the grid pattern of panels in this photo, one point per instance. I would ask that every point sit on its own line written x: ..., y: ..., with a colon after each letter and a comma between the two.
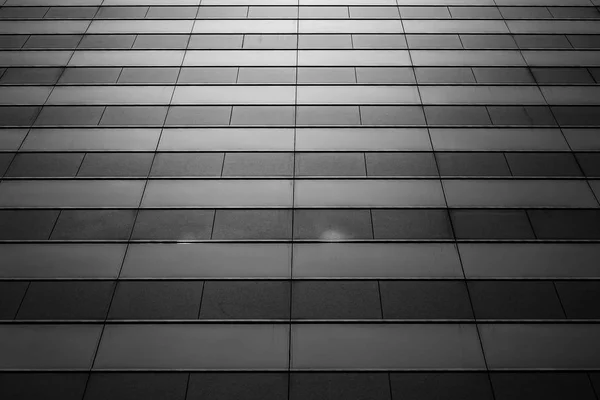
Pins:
x: 300, y: 199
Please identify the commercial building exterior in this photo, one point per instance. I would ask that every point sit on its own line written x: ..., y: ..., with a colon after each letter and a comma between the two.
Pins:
x: 300, y: 199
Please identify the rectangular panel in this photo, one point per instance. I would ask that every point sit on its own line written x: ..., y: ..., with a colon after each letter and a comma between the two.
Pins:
x: 497, y: 139
x: 206, y: 261
x: 34, y: 58
x: 358, y: 95
x: 383, y: 346
x: 554, y: 27
x: 217, y: 58
x: 445, y: 58
x: 308, y: 58
x: 571, y: 95
x: 579, y: 58
x: 43, y: 27
x: 78, y: 95
x: 481, y: 95
x: 91, y: 139
x: 350, y: 26
x: 55, y: 261
x: 382, y: 139
x: 227, y: 140
x: 376, y: 260
x: 540, y: 346
x: 139, y: 27
x: 179, y: 346
x: 216, y: 26
x: 368, y: 193
x: 460, y: 26
x: 69, y: 193
x: 112, y: 58
x: 48, y: 347
x: 521, y: 193
x: 225, y: 193
x: 530, y: 260
x: 234, y: 95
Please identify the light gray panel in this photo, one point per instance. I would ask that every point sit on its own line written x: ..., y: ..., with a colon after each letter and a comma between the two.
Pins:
x: 211, y: 346
x: 48, y: 347
x: 70, y: 193
x: 383, y: 346
x: 224, y: 193
x: 368, y: 193
x: 521, y: 193
x: 207, y: 260
x: 376, y: 260
x: 524, y: 260
x: 540, y: 346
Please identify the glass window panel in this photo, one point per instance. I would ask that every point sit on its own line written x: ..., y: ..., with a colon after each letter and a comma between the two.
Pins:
x: 122, y: 12
x: 234, y: 95
x: 434, y: 41
x: 140, y: 27
x: 482, y: 95
x: 308, y: 58
x: 553, y: 26
x: 161, y: 42
x: 244, y: 26
x: 379, y: 41
x: 107, y: 42
x: 242, y: 58
x: 446, y: 58
x: 108, y: 58
x: 43, y: 27
x: 571, y: 95
x: 31, y: 75
x: 90, y: 75
x: 374, y: 12
x: 208, y: 75
x: 215, y: 42
x: 530, y: 193
x: 198, y: 115
x: 34, y: 58
x: 193, y: 347
x: 222, y: 12
x: 227, y: 140
x: 207, y: 260
x: 15, y: 95
x: 92, y: 139
x: 272, y: 12
x: 376, y: 260
x: 523, y: 260
x: 351, y: 26
x: 385, y: 75
x: 70, y: 193
x: 110, y: 95
x: 498, y: 139
x: 11, y: 139
x: 537, y: 346
x: 366, y: 193
x: 229, y: 193
x: 328, y: 115
x: 324, y: 12
x: 61, y: 261
x: 326, y: 75
x: 449, y: 26
x: 325, y: 41
x: 381, y: 139
x: 357, y: 95
x: 382, y: 346
x: 53, y: 41
x: 48, y: 347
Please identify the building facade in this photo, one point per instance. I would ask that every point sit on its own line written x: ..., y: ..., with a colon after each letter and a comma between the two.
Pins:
x: 300, y: 199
